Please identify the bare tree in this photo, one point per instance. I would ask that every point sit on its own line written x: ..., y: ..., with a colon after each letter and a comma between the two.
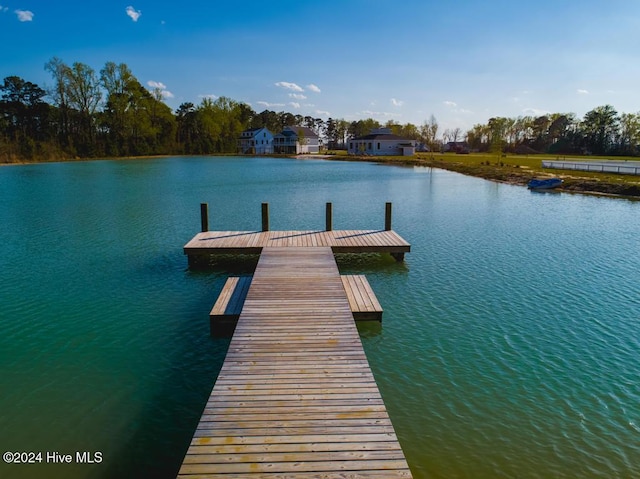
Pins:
x: 429, y: 132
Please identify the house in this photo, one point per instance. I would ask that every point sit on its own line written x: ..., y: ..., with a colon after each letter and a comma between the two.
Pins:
x: 296, y: 140
x: 256, y: 141
x: 381, y: 142
x: 460, y: 147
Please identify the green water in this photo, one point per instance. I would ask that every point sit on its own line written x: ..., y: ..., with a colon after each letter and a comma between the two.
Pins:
x: 509, y: 345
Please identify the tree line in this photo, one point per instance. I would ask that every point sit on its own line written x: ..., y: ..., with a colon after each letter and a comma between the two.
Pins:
x: 602, y: 131
x: 109, y: 113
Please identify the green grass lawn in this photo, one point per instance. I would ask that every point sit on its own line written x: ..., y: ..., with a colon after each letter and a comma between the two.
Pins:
x: 517, y: 169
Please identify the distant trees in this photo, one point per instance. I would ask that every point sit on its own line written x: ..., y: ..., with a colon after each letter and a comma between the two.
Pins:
x: 336, y: 133
x: 110, y: 113
x: 92, y: 114
x: 24, y: 116
x: 602, y: 131
x: 429, y: 133
x: 119, y: 83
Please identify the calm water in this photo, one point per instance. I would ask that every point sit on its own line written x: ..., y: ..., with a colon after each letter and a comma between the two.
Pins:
x: 510, y: 344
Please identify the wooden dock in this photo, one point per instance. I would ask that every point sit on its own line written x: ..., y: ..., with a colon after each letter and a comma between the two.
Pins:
x: 340, y: 241
x: 362, y: 300
x: 295, y: 397
x: 227, y: 308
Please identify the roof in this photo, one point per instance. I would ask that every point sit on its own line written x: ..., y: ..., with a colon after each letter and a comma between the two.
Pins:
x: 306, y: 132
x: 381, y: 136
x: 286, y: 134
x: 254, y: 130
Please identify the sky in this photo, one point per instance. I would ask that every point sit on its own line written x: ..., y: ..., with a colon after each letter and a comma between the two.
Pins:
x: 462, y: 61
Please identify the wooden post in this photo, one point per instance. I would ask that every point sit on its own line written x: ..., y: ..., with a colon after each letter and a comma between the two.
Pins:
x: 387, y: 217
x: 265, y: 216
x: 329, y: 221
x: 204, y: 216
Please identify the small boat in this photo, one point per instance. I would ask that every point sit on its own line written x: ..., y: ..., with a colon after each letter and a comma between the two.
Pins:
x: 546, y: 184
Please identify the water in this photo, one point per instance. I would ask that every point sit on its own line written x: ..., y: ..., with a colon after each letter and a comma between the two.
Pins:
x: 509, y: 345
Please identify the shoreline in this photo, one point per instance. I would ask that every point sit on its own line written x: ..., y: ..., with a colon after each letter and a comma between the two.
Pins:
x: 510, y: 175
x: 499, y: 172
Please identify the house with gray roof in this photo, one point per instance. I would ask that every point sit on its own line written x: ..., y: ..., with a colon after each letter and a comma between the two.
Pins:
x: 296, y: 140
x: 381, y: 142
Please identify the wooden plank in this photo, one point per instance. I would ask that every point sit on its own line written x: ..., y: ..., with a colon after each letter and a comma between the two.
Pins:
x: 252, y: 242
x: 362, y: 474
x: 220, y: 306
x: 293, y: 467
x: 262, y: 447
x: 227, y: 308
x: 295, y: 397
x: 362, y: 300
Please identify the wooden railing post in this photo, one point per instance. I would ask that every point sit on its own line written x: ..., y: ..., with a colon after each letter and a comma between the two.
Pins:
x: 329, y: 217
x: 204, y: 216
x: 265, y: 216
x: 387, y: 217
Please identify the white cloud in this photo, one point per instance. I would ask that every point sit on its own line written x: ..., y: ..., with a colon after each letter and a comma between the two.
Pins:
x: 269, y: 105
x: 454, y: 106
x: 24, y: 15
x: 581, y: 91
x: 313, y: 88
x: 385, y: 114
x: 133, y: 13
x: 289, y: 86
x: 323, y: 112
x: 535, y: 112
x: 156, y: 85
x: 294, y: 104
x: 397, y: 102
x: 211, y: 96
x: 297, y: 96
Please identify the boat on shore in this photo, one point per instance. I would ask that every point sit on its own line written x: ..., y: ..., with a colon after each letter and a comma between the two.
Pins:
x: 544, y: 184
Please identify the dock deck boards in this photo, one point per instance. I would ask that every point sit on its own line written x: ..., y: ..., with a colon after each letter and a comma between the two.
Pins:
x: 340, y: 241
x: 295, y: 397
x: 228, y: 306
x: 362, y: 300
x: 231, y: 299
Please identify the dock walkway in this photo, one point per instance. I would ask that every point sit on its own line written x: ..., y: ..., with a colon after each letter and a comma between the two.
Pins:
x: 295, y: 397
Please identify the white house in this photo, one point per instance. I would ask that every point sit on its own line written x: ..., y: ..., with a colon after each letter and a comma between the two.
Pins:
x: 381, y: 142
x: 256, y: 141
x: 296, y: 140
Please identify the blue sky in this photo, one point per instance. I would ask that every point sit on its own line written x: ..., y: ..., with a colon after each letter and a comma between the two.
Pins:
x: 462, y: 61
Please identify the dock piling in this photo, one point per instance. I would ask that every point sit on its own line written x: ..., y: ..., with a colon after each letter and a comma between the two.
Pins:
x: 265, y: 216
x: 329, y: 217
x: 387, y: 217
x: 204, y: 216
